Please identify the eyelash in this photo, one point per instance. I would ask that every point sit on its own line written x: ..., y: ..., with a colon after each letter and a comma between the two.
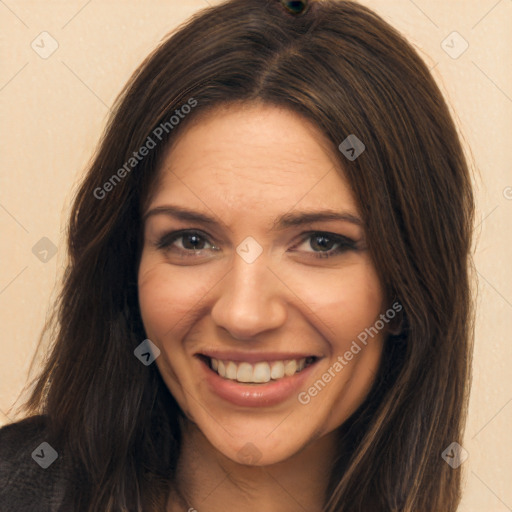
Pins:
x: 344, y: 243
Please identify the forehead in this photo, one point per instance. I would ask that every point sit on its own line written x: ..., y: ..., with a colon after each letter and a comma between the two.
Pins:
x: 253, y: 155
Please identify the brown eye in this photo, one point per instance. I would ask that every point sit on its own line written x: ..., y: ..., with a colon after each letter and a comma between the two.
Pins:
x: 191, y: 241
x: 322, y: 242
x: 325, y: 245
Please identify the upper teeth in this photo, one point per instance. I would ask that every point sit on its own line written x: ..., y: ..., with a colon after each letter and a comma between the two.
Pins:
x: 258, y: 372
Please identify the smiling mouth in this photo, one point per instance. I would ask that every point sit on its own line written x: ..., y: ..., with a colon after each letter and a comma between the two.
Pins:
x: 259, y: 372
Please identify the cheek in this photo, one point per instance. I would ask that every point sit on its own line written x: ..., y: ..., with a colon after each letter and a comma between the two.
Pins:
x: 165, y: 296
x: 360, y: 301
x: 346, y: 305
x: 344, y: 302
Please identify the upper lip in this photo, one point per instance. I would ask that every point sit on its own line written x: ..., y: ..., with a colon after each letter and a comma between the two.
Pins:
x: 254, y: 357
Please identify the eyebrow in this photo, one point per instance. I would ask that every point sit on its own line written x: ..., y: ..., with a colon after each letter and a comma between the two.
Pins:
x: 285, y: 221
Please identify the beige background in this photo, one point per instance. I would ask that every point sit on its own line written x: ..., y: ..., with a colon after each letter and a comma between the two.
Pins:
x: 53, y: 110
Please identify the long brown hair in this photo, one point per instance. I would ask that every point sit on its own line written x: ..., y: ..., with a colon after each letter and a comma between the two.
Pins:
x: 343, y: 67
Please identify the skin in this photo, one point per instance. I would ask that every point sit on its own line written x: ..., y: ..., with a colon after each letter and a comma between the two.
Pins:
x: 245, y: 166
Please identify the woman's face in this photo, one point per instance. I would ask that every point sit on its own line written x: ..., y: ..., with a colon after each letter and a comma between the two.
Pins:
x: 243, y: 271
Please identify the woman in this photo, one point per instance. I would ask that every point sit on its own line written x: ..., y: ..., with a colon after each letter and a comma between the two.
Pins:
x: 267, y: 302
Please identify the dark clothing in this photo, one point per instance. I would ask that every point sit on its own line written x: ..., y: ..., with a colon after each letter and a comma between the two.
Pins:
x: 25, y: 484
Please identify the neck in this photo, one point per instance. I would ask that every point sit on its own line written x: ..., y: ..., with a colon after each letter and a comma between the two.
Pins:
x: 207, y: 481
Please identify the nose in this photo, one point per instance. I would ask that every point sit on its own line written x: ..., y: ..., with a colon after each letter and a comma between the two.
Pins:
x: 251, y: 300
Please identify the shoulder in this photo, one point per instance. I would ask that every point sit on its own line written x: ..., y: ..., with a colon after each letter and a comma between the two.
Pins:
x: 20, y: 431
x: 31, y: 469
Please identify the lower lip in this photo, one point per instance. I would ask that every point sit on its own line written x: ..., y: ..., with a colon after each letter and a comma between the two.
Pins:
x: 256, y: 395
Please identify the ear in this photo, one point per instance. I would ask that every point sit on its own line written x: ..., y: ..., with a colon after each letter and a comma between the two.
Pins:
x: 396, y: 314
x: 396, y: 325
